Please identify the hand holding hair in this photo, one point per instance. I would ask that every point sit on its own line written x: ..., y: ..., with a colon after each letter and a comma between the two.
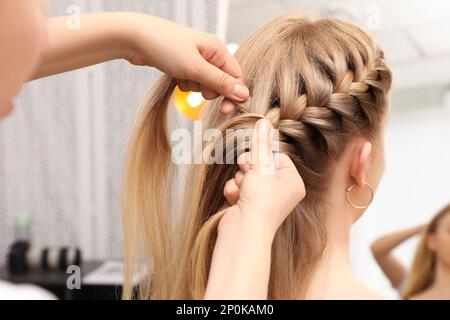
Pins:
x: 262, y: 195
x: 268, y: 186
x: 199, y: 61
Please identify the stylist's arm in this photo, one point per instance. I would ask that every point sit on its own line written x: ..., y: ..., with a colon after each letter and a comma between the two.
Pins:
x: 199, y: 61
x: 262, y: 195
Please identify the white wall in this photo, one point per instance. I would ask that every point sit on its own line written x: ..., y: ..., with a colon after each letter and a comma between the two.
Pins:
x: 415, y: 186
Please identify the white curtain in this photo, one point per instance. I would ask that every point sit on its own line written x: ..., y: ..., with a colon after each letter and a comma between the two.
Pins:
x: 62, y: 151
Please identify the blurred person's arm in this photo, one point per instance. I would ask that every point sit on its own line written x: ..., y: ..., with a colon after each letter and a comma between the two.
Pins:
x: 382, y: 251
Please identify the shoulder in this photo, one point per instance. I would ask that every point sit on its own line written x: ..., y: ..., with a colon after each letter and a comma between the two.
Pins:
x: 353, y: 290
x: 361, y: 292
x: 424, y: 295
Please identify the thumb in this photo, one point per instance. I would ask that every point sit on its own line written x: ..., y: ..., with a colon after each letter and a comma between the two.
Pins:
x: 286, y: 167
x: 261, y: 148
x: 219, y: 81
x: 282, y: 161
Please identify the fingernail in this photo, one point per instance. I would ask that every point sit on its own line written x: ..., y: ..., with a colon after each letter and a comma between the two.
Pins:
x: 240, y: 91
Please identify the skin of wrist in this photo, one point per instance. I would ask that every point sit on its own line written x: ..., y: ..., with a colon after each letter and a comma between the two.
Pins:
x: 125, y: 30
x: 243, y: 224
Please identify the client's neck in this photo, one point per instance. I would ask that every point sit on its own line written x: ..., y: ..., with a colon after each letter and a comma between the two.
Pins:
x: 333, y: 274
x: 441, y: 283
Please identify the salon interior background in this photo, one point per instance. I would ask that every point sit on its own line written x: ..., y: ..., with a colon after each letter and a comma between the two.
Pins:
x: 62, y: 152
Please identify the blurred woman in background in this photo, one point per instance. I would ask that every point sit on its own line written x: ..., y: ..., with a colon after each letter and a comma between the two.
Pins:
x: 429, y: 277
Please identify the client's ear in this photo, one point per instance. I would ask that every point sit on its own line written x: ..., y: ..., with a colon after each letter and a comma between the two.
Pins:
x: 431, y: 242
x: 361, y: 161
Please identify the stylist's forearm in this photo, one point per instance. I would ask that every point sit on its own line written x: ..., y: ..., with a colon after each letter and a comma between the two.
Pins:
x: 240, y: 267
x: 101, y: 37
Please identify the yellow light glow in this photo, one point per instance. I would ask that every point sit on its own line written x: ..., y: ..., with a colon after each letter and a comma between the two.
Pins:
x: 190, y: 104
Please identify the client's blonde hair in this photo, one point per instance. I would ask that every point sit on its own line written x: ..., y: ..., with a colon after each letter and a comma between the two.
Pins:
x: 320, y: 82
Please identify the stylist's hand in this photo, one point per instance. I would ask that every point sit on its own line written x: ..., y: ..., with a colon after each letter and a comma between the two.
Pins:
x: 268, y: 186
x: 199, y: 61
x: 262, y: 195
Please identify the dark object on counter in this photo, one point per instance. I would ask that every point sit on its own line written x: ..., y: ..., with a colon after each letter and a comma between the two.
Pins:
x: 17, y: 257
x: 21, y: 258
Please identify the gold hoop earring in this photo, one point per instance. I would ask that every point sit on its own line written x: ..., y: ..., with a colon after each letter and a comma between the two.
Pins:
x: 352, y: 204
